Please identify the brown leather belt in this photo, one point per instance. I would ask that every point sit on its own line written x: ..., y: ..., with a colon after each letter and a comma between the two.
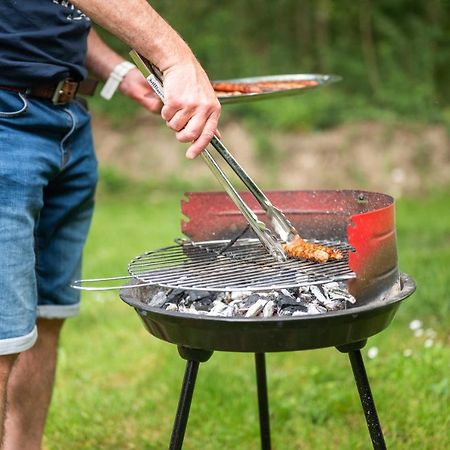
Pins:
x: 60, y: 93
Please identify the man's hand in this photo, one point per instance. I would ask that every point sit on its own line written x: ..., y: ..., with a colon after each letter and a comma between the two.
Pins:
x: 135, y: 86
x: 191, y: 107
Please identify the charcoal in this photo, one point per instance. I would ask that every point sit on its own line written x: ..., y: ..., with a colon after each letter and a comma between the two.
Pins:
x: 240, y: 295
x: 190, y: 310
x: 272, y: 296
x: 203, y: 304
x: 315, y: 308
x: 284, y: 301
x: 175, y: 295
x: 158, y: 299
x: 171, y: 307
x: 314, y: 299
x: 239, y: 311
x: 335, y: 305
x: 301, y: 307
x: 293, y: 292
x: 288, y: 293
x: 304, y: 299
x: 338, y: 291
x: 250, y: 300
x: 288, y: 311
x: 321, y: 298
x: 299, y: 313
x: 229, y: 312
x: 224, y: 297
x: 218, y: 308
x: 268, y: 309
x: 256, y: 308
x: 194, y: 296
x: 234, y: 303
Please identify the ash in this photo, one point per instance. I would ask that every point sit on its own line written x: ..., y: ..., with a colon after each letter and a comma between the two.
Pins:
x: 313, y: 299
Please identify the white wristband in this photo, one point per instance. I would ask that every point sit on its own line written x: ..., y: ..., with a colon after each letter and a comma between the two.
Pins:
x: 115, y: 78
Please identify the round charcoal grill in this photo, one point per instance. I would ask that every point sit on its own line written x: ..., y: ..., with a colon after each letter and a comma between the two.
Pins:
x: 245, y: 266
x: 360, y: 223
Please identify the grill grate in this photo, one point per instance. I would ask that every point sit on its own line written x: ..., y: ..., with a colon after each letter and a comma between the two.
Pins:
x: 246, y: 266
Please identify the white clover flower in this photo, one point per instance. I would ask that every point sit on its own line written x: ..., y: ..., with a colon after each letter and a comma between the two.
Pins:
x: 415, y: 324
x: 428, y: 343
x: 429, y: 332
x: 407, y: 352
x: 418, y: 332
x: 372, y: 352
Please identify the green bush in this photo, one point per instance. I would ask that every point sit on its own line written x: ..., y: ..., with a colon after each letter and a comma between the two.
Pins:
x: 393, y: 56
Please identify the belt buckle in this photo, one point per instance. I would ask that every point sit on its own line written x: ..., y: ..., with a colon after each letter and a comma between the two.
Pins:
x: 64, y: 92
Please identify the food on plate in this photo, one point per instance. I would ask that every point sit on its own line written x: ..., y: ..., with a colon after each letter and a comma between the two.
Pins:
x: 259, y: 87
x: 301, y: 249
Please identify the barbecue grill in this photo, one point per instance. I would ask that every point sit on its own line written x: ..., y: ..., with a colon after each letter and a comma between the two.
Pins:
x: 359, y: 222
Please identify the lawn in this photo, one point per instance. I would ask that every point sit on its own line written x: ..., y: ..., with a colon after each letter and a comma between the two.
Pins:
x: 117, y: 387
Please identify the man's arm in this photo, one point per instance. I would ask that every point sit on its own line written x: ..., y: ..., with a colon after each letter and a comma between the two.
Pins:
x: 191, y: 106
x: 101, y: 61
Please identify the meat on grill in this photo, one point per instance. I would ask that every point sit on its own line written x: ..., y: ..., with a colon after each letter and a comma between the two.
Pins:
x: 301, y: 249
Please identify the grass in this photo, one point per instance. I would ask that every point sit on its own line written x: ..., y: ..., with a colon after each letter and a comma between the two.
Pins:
x: 117, y: 386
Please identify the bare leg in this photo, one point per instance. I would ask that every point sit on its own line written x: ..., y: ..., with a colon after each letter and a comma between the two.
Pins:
x: 30, y: 389
x: 6, y: 363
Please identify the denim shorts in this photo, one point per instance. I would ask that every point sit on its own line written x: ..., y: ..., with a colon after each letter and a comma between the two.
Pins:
x: 48, y: 174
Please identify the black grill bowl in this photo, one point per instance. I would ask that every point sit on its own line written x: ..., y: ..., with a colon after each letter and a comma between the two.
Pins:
x: 274, y: 334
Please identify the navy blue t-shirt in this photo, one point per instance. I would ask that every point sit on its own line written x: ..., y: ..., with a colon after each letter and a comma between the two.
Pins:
x: 41, y: 41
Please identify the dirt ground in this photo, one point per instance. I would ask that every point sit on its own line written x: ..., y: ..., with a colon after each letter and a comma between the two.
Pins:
x: 391, y: 158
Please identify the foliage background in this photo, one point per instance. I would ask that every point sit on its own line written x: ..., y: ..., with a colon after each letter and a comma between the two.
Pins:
x: 393, y: 56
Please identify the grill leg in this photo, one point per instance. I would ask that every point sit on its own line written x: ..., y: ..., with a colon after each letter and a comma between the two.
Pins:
x: 194, y: 357
x: 365, y: 394
x: 263, y: 402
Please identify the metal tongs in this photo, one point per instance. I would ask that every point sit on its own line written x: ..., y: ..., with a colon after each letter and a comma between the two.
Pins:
x: 282, y: 227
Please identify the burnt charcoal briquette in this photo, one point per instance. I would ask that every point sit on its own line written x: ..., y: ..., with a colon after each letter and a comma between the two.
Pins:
x: 175, y: 295
x: 305, y: 298
x: 250, y: 300
x: 158, y: 299
x: 287, y: 311
x: 203, y: 304
x: 272, y: 297
x: 284, y: 300
x: 299, y: 307
x: 194, y: 296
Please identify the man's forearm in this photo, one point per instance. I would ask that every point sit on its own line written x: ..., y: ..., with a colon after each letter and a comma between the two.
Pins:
x: 136, y: 23
x: 100, y: 59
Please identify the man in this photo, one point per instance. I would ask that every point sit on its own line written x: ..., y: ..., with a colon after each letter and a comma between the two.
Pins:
x: 48, y: 170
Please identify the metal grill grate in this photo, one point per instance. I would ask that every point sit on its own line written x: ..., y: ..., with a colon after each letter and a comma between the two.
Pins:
x: 245, y: 266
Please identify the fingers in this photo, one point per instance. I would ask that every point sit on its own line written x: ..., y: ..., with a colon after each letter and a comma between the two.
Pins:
x: 179, y: 120
x: 191, y: 107
x: 136, y: 87
x: 205, y: 137
x: 151, y: 102
x: 196, y: 126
